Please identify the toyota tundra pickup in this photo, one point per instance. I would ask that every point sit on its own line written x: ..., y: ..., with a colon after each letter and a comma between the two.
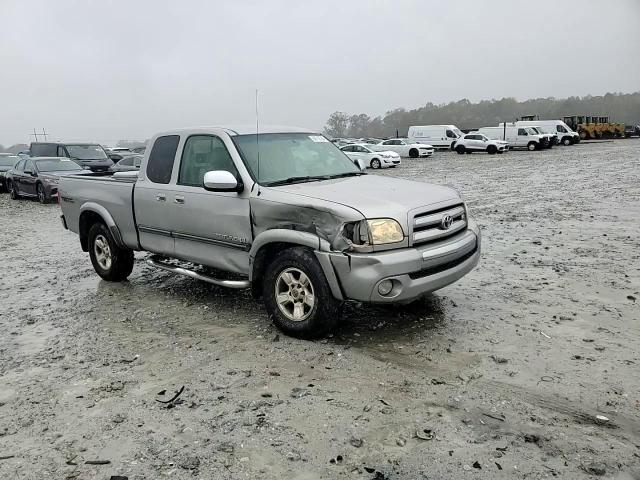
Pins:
x: 283, y: 212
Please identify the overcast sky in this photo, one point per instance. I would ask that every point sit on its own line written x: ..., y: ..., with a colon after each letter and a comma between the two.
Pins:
x: 109, y: 70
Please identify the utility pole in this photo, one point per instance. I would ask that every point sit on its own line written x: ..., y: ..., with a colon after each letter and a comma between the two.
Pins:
x: 35, y: 134
x: 45, y: 134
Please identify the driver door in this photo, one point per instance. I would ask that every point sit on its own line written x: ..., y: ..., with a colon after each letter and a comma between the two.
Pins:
x: 210, y: 228
x: 28, y: 179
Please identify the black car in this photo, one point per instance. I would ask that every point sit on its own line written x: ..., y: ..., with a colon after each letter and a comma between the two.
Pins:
x: 632, y: 131
x: 39, y: 177
x: 6, y: 163
x: 87, y: 155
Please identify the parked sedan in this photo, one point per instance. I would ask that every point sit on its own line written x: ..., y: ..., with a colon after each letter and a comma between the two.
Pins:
x: 6, y: 163
x: 371, y: 158
x: 129, y: 163
x: 404, y: 148
x: 39, y: 177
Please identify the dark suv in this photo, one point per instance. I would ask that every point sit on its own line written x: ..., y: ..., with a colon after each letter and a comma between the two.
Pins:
x: 87, y: 155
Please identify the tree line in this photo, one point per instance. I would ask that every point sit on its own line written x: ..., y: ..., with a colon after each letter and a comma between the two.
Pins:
x: 619, y: 107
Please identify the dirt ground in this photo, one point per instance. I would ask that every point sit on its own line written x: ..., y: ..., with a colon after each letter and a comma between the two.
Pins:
x: 500, y: 375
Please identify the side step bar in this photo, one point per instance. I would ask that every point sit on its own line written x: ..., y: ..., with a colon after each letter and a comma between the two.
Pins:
x: 155, y: 261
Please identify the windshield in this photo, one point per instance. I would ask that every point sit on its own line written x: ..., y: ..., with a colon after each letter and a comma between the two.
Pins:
x: 57, y: 165
x: 531, y: 131
x: 287, y: 155
x: 458, y: 132
x: 8, y: 161
x: 87, y: 152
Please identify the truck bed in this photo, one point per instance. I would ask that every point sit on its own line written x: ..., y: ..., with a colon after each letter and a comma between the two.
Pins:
x: 102, y: 193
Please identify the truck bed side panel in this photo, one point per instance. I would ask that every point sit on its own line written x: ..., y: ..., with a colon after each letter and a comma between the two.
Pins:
x: 114, y: 195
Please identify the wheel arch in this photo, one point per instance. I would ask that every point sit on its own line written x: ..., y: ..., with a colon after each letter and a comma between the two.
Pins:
x: 268, y: 244
x: 91, y: 213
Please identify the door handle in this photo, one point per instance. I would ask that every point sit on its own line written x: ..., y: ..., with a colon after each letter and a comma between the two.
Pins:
x: 161, y: 197
x: 179, y: 199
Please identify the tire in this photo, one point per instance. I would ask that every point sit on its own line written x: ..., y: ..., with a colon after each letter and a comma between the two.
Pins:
x: 375, y: 163
x: 460, y: 149
x: 468, y: 152
x: 297, y: 270
x: 492, y: 149
x: 413, y: 153
x: 111, y: 262
x: 13, y: 192
x: 42, y: 195
x: 500, y: 152
x: 566, y: 141
x: 531, y: 146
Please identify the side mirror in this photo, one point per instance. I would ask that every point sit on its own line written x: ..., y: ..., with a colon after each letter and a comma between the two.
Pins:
x: 221, y: 181
x: 360, y: 164
x: 29, y: 172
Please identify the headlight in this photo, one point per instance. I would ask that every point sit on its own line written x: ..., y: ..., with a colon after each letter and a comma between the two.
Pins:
x: 385, y: 230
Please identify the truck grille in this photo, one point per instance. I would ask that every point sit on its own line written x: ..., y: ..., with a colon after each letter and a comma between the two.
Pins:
x: 430, y: 225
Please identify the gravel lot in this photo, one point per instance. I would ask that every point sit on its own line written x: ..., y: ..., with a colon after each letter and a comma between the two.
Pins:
x: 498, y: 376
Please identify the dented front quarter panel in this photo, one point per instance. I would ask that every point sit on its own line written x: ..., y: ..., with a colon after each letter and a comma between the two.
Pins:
x: 273, y: 209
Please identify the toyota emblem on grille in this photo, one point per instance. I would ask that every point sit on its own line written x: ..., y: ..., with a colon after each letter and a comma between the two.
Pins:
x: 446, y: 222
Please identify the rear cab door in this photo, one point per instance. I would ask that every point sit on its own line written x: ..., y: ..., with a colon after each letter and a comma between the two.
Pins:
x: 153, y: 196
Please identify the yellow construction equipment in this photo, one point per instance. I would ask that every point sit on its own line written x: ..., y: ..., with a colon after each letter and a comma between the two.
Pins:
x: 592, y: 126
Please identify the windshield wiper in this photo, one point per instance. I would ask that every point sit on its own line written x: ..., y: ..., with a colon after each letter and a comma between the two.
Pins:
x: 347, y: 174
x: 290, y: 180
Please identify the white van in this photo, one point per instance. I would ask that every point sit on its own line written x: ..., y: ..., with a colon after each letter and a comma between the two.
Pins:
x: 517, y: 137
x: 566, y: 136
x: 440, y: 136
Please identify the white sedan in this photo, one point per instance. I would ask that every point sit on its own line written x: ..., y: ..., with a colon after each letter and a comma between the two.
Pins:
x: 405, y: 148
x: 371, y: 158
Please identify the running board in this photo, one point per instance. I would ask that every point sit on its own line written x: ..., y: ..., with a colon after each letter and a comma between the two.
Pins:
x: 156, y: 262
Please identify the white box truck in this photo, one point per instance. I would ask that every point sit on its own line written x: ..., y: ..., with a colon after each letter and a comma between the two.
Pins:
x: 440, y: 136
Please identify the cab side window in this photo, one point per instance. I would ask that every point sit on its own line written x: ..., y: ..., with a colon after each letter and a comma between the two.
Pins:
x: 202, y: 154
x: 560, y: 129
x: 522, y: 131
x: 29, y: 167
x: 163, y: 154
x: 450, y: 134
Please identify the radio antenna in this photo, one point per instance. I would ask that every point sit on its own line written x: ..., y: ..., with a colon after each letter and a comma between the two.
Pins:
x: 257, y: 136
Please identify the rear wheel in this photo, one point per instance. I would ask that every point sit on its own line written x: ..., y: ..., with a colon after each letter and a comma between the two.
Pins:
x: 460, y: 149
x: 413, y: 153
x: 531, y: 146
x: 375, y: 163
x: 492, y: 149
x: 110, y: 261
x: 13, y: 190
x: 297, y: 295
x: 42, y: 195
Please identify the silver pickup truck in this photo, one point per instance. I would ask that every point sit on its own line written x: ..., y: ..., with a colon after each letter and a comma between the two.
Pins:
x: 284, y: 212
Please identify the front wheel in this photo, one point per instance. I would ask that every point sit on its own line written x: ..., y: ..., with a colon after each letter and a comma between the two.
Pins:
x: 13, y: 190
x: 297, y: 295
x: 413, y: 153
x: 110, y: 261
x: 566, y: 141
x: 531, y: 146
x: 375, y: 163
x: 42, y: 195
x: 460, y: 149
x: 492, y: 149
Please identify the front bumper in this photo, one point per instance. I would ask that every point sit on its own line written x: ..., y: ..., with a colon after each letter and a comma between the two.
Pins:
x: 426, y: 153
x: 391, y: 161
x: 412, y: 271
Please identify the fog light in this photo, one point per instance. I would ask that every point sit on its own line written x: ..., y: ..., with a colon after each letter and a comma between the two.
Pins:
x: 385, y: 287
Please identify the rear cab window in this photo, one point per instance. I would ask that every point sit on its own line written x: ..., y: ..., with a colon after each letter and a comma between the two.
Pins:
x: 161, y: 158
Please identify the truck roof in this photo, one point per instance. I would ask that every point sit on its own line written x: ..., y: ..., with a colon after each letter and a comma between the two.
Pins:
x: 242, y: 129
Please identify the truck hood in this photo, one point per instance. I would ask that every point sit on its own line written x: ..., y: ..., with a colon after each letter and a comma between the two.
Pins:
x: 375, y: 196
